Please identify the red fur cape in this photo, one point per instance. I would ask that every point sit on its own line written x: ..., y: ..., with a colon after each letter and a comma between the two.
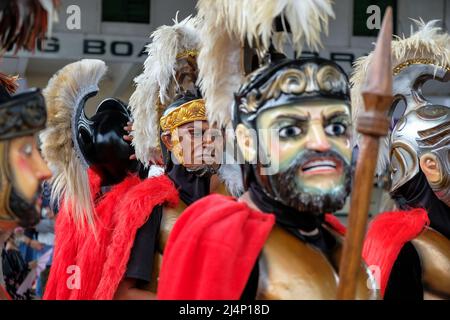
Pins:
x: 4, y: 295
x: 88, y: 265
x: 387, y: 235
x: 213, y: 247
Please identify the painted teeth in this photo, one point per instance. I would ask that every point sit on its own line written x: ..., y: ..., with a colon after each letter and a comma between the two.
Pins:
x: 319, y: 163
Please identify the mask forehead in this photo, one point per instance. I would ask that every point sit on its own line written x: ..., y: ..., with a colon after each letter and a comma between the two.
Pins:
x: 311, y: 109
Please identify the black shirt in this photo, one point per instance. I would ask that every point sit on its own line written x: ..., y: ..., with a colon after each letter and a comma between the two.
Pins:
x: 145, y: 245
x: 405, y: 280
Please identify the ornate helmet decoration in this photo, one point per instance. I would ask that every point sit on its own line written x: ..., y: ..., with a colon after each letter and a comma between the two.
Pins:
x: 289, y: 81
x: 21, y: 115
x: 74, y: 142
x: 423, y: 56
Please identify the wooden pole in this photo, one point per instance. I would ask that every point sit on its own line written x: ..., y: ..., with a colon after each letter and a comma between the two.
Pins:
x: 372, y: 124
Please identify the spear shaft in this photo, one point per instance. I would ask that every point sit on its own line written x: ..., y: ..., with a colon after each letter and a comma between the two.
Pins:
x: 372, y: 124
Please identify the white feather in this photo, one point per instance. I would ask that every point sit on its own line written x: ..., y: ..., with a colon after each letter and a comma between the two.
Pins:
x: 62, y: 94
x: 231, y: 175
x: 155, y: 85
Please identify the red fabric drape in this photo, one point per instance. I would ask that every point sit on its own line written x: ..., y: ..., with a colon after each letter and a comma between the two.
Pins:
x: 212, y: 250
x: 386, y: 236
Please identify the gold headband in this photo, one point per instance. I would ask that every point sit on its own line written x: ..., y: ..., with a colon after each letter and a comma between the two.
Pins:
x: 187, y: 53
x: 187, y: 112
x: 407, y: 63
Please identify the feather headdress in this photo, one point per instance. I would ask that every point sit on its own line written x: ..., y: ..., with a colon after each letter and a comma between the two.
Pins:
x: 428, y: 45
x: 227, y: 24
x: 9, y: 83
x: 156, y: 86
x: 65, y: 93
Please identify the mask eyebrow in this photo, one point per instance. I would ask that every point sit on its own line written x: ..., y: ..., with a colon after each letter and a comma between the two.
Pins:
x: 335, y: 114
x: 296, y: 117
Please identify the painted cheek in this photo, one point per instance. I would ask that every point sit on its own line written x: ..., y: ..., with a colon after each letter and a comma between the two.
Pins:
x: 25, y: 178
x: 23, y: 164
x: 290, y: 150
x: 343, y: 147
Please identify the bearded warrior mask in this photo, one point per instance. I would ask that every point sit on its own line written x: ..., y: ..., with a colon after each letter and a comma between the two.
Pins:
x: 234, y: 43
x: 22, y: 169
x: 294, y: 117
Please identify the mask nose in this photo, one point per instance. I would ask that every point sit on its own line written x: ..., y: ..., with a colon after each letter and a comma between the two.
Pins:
x: 317, y: 139
x: 41, y: 169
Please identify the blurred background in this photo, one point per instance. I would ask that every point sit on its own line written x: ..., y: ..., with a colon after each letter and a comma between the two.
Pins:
x: 116, y: 31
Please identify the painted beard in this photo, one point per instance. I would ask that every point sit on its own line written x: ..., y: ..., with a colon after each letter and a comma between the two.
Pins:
x: 26, y: 212
x: 295, y: 196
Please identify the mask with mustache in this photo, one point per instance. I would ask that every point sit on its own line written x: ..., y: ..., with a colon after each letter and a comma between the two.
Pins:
x: 286, y: 187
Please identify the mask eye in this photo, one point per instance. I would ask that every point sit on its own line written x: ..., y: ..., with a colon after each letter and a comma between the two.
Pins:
x: 290, y: 132
x: 335, y: 129
x: 27, y: 149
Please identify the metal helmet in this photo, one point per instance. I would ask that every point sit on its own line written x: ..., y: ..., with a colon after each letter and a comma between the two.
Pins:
x: 423, y: 130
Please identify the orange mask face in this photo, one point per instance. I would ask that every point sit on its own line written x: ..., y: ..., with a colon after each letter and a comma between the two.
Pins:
x: 22, y: 172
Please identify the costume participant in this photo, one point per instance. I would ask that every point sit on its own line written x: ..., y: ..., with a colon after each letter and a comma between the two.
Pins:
x: 412, y: 250
x: 22, y: 169
x: 170, y: 119
x: 21, y: 117
x: 103, y: 202
x: 275, y: 241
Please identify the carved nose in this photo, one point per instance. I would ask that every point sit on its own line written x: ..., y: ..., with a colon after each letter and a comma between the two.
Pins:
x: 317, y: 139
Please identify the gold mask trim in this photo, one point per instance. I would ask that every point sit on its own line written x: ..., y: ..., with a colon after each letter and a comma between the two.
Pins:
x: 187, y: 112
x: 407, y: 63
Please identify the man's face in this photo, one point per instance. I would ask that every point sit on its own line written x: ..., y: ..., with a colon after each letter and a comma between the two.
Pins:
x: 28, y: 169
x: 310, y: 145
x: 194, y: 145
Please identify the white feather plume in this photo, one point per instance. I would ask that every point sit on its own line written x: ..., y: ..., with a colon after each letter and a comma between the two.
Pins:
x: 62, y: 94
x: 226, y: 24
x: 154, y: 87
x: 231, y: 176
x: 429, y: 41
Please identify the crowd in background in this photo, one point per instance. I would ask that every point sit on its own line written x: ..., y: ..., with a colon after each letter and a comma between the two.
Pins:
x: 27, y: 255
